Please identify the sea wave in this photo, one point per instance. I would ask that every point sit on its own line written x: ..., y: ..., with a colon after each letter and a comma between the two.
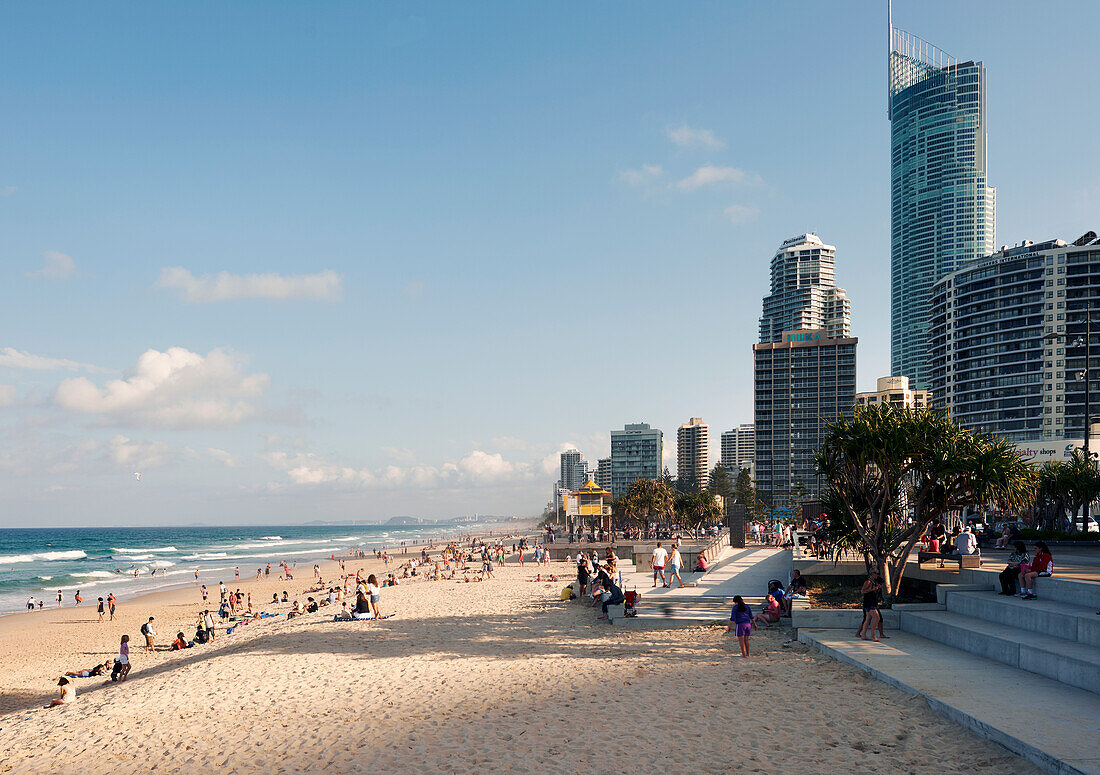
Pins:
x: 162, y: 564
x: 271, y: 538
x: 96, y: 574
x: 145, y: 550
x: 12, y: 559
x: 133, y: 557
x: 210, y: 556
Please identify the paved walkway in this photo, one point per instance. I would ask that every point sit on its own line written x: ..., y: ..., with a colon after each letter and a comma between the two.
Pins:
x: 1053, y: 725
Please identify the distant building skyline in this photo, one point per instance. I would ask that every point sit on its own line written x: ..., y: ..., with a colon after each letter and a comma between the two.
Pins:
x: 636, y: 453
x: 738, y: 447
x: 895, y: 391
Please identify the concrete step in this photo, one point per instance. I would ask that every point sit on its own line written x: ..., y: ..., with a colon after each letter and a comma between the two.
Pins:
x: 1054, y: 726
x: 1047, y: 617
x: 1070, y: 662
x: 1072, y: 591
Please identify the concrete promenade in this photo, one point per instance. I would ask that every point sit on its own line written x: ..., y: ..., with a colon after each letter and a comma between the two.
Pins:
x: 1051, y: 724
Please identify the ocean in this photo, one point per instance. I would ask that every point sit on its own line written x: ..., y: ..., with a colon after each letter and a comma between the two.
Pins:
x: 95, y: 561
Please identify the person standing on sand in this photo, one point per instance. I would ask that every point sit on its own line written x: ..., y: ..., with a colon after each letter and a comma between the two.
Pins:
x: 741, y: 619
x: 111, y: 605
x: 124, y: 657
x: 375, y: 595
x: 871, y: 614
x: 78, y: 598
x: 99, y: 609
x: 149, y: 633
x: 204, y: 593
x: 657, y: 563
x: 59, y: 598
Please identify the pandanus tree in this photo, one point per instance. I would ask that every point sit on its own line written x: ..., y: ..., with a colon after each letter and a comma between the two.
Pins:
x: 648, y: 500
x: 695, y: 509
x: 890, y: 473
x: 1066, y: 487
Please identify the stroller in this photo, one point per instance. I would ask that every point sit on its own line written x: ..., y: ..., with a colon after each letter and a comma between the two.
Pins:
x: 630, y: 603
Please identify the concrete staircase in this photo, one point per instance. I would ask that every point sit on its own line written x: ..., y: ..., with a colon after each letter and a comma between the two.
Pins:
x: 1054, y: 636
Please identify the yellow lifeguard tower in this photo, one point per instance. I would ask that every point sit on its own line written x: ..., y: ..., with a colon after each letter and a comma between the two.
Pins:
x: 590, y: 502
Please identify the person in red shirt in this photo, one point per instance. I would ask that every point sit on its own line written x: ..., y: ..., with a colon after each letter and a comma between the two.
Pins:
x: 1042, y: 564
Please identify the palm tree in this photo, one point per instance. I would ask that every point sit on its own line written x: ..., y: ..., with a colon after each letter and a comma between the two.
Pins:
x: 650, y: 499
x: 891, y: 473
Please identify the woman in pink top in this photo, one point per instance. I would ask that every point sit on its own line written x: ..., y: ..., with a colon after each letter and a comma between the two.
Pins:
x: 770, y: 614
x: 124, y: 657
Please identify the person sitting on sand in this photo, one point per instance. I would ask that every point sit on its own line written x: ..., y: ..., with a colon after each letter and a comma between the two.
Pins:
x: 770, y: 614
x: 311, y: 605
x: 296, y: 610
x: 68, y: 693
x: 180, y: 643
x: 286, y: 597
x: 91, y: 672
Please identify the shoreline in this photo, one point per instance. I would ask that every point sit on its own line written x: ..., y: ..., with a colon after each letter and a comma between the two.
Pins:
x: 145, y: 585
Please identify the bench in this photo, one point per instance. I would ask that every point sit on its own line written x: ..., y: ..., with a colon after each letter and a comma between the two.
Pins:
x: 965, y: 561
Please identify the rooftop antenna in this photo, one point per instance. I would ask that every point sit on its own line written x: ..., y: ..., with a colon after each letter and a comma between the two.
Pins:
x: 889, y: 48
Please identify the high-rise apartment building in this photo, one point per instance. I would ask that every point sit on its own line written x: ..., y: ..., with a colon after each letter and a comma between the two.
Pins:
x: 1007, y: 342
x: 739, y: 448
x: 636, y: 453
x: 803, y: 291
x: 942, y: 210
x: 571, y: 469
x: 895, y: 392
x: 802, y: 382
x: 693, y: 453
x: 603, y: 473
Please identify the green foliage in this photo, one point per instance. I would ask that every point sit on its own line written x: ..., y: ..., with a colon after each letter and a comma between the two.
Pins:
x: 645, y: 501
x: 892, y: 472
x: 1066, y: 486
x: 696, y: 509
x: 1029, y: 534
x: 721, y: 483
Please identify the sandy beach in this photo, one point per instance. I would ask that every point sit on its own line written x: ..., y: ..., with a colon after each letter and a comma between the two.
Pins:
x: 493, y: 676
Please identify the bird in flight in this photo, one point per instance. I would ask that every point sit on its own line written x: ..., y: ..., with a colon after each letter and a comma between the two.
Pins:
x: 137, y: 475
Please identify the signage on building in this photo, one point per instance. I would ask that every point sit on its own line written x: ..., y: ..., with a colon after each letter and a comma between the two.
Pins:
x: 804, y: 336
x: 1039, y: 452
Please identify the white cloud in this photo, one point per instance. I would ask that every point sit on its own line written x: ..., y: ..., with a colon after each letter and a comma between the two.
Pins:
x: 203, y: 289
x: 7, y: 395
x: 741, y: 213
x: 55, y: 266
x: 172, y: 389
x: 639, y: 177
x: 687, y: 137
x: 708, y: 174
x: 136, y: 455
x: 478, y: 468
x: 14, y: 359
x: 230, y: 460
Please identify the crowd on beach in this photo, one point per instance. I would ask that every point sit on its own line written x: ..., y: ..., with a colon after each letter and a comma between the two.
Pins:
x: 351, y: 596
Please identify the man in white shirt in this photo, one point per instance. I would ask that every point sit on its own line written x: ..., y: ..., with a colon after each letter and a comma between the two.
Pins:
x: 966, y: 542
x: 657, y: 562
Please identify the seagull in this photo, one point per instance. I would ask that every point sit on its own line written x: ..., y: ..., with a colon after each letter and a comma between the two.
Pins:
x: 137, y: 476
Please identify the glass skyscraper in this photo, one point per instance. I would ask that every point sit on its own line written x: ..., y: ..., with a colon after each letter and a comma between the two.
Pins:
x: 942, y: 211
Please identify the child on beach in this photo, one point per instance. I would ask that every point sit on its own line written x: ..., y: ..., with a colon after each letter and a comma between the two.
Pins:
x: 375, y: 595
x: 124, y: 657
x: 741, y: 619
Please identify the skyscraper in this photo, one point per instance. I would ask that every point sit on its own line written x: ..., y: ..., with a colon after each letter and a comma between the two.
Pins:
x: 693, y: 453
x: 570, y: 459
x: 803, y: 291
x: 739, y: 448
x: 603, y: 473
x: 635, y: 454
x: 942, y: 211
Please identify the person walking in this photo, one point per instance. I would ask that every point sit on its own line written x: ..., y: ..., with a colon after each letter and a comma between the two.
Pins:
x: 99, y: 609
x: 657, y: 563
x: 124, y: 657
x: 674, y: 564
x: 111, y: 605
x: 741, y: 620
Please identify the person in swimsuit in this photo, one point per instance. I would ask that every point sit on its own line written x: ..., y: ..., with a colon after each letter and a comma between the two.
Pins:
x: 111, y: 605
x: 91, y: 672
x: 100, y: 610
x: 59, y: 598
x: 741, y: 619
x: 79, y: 599
x: 871, y: 615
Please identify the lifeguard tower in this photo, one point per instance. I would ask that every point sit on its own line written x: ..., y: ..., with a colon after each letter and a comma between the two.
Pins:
x: 590, y: 502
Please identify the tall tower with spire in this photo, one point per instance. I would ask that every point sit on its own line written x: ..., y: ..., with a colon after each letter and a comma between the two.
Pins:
x: 942, y: 210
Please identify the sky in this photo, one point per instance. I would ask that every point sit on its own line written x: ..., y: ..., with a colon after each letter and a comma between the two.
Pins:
x: 355, y: 260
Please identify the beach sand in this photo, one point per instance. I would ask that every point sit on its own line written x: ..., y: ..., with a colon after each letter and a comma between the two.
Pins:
x: 498, y: 676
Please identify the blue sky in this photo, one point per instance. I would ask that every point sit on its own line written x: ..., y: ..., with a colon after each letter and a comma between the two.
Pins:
x: 455, y: 236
